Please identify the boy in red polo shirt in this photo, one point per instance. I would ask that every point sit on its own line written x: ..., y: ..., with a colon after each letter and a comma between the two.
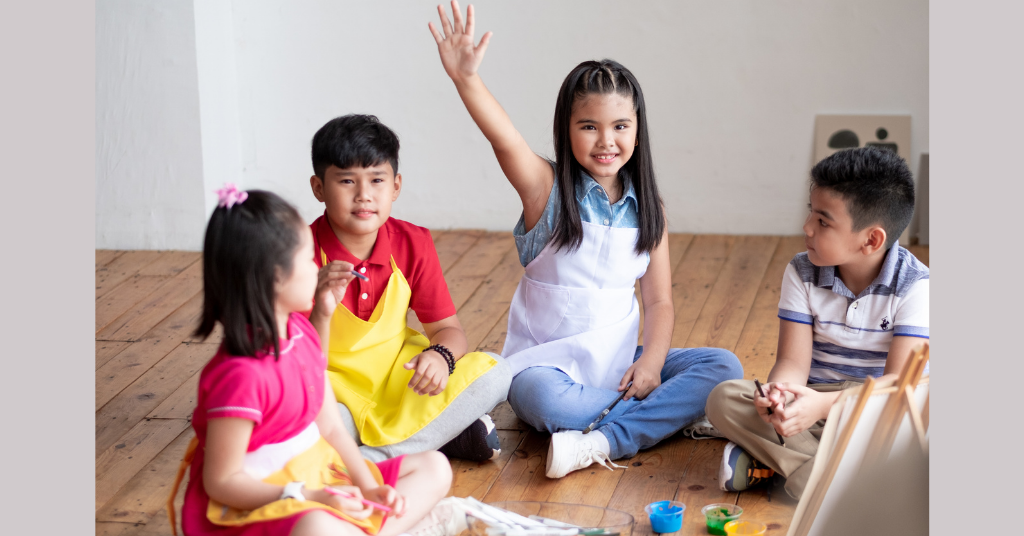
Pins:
x: 398, y: 391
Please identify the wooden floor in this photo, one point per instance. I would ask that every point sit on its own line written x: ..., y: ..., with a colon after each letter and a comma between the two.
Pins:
x: 725, y: 289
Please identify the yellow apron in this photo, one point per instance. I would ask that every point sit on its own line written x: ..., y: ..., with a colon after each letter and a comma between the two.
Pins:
x: 365, y: 367
x: 318, y: 466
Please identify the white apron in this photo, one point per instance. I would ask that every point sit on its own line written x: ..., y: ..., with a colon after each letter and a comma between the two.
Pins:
x: 577, y: 311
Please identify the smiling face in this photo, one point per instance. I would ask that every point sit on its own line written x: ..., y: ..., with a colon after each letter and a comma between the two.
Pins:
x: 358, y: 199
x: 828, y: 231
x: 602, y: 133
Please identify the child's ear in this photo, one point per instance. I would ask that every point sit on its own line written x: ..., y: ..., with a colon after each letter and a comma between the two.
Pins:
x: 875, y: 240
x: 398, y: 187
x: 318, y: 188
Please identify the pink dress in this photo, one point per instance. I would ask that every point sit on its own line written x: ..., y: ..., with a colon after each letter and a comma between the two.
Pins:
x: 282, y: 397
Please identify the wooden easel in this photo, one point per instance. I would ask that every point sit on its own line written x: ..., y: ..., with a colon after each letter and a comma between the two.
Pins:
x: 900, y: 402
x: 898, y: 405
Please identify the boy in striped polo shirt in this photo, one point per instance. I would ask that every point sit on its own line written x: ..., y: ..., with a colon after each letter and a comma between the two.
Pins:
x: 853, y: 305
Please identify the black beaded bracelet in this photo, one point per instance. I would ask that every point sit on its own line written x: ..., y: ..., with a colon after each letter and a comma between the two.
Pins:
x: 446, y: 354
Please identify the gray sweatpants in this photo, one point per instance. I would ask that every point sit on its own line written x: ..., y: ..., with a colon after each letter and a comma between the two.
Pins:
x: 472, y: 403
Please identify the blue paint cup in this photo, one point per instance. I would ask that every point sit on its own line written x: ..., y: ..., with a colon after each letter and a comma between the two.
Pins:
x: 666, y: 516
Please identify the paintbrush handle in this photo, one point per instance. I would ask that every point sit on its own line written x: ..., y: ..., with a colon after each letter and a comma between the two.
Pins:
x: 339, y: 493
x: 770, y: 411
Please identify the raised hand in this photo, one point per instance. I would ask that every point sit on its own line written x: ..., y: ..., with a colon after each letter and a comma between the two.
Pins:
x: 332, y: 281
x: 459, y: 56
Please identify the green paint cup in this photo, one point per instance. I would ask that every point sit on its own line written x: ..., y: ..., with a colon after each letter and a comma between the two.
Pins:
x: 718, y: 514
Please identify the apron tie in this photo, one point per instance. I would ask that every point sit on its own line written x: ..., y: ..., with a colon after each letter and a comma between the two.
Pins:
x: 186, y: 461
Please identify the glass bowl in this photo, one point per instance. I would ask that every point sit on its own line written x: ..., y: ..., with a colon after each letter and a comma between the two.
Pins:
x: 590, y: 517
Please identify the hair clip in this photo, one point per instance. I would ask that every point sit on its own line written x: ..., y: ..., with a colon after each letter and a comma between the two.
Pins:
x: 230, y: 195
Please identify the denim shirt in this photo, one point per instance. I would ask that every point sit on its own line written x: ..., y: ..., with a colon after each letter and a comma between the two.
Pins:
x: 594, y: 208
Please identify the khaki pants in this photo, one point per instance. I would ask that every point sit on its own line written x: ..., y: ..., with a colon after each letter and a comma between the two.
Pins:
x: 730, y: 408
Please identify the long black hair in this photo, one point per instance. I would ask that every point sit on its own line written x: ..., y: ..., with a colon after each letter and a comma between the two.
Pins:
x: 602, y: 78
x: 245, y: 247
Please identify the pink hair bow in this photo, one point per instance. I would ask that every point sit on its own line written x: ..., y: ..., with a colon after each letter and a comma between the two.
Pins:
x: 230, y: 195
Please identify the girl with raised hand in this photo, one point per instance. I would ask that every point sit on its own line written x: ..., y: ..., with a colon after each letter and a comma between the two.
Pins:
x: 592, y: 224
x: 271, y: 455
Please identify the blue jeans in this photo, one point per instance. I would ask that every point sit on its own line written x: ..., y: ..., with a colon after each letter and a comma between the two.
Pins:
x: 550, y: 401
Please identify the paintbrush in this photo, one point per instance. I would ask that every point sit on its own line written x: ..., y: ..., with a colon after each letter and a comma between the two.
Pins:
x: 770, y: 411
x: 590, y: 427
x: 340, y: 493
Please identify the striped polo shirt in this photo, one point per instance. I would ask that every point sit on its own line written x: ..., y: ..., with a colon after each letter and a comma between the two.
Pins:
x: 852, y: 333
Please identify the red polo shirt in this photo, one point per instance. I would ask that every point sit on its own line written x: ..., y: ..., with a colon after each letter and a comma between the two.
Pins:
x: 414, y: 253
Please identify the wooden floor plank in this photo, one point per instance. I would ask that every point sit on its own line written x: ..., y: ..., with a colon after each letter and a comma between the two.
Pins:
x: 165, y: 300
x: 760, y: 337
x: 105, y: 256
x: 491, y: 300
x: 144, y: 395
x: 145, y: 494
x: 120, y: 268
x: 452, y: 245
x: 725, y: 310
x: 678, y: 243
x: 125, y: 297
x: 120, y: 462
x: 158, y: 525
x: 777, y: 514
x: 699, y: 486
x: 495, y: 339
x: 466, y: 274
x: 181, y: 403
x: 505, y: 419
x: 107, y: 528
x: 472, y: 479
x: 171, y: 263
x: 693, y: 279
x: 522, y: 478
x: 653, y: 475
x: 106, y: 350
x: 592, y: 486
x: 921, y: 252
x: 126, y: 367
x: 195, y: 308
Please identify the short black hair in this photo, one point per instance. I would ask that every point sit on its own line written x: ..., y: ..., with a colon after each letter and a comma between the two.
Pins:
x: 354, y: 140
x: 244, y: 248
x: 876, y: 185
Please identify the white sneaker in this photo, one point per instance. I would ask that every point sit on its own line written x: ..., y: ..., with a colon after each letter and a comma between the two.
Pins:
x: 447, y: 518
x: 701, y: 429
x: 572, y: 450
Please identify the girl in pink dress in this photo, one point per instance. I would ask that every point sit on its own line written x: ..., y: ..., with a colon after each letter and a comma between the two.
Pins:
x: 271, y: 455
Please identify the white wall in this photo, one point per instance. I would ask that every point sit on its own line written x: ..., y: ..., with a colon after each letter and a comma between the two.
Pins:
x: 149, y: 169
x: 732, y: 89
x: 218, y: 97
